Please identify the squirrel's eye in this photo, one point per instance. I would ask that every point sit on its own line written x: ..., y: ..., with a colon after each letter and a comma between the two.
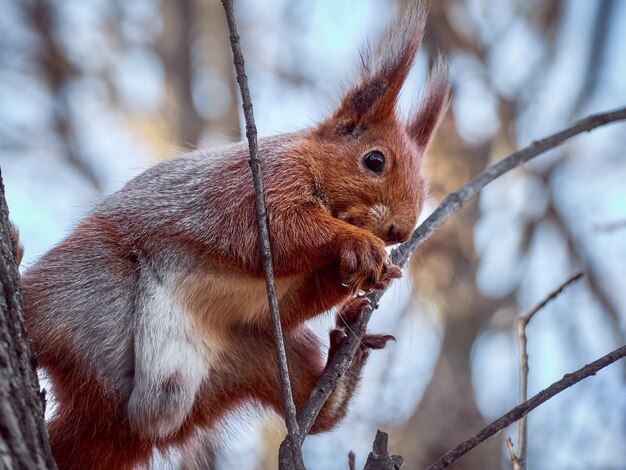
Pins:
x: 374, y: 161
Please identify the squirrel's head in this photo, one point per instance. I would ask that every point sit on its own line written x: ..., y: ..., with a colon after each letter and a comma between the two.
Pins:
x: 368, y: 163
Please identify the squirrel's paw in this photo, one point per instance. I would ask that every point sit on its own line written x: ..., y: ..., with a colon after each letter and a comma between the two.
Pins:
x: 364, y: 263
x: 390, y: 272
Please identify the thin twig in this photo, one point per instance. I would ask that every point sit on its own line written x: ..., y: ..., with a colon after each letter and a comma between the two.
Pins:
x: 525, y: 319
x: 610, y: 226
x: 400, y: 256
x: 266, y: 254
x: 519, y: 463
x: 522, y: 410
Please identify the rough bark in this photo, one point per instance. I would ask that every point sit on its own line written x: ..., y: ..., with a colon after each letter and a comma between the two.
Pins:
x: 23, y: 434
x: 379, y: 458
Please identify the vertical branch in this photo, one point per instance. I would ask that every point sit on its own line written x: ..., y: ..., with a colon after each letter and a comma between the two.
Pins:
x: 379, y: 458
x: 515, y: 460
x: 266, y: 255
x: 519, y: 460
x: 351, y: 461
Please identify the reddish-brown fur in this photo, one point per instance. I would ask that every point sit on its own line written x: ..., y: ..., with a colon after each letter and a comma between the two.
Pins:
x: 326, y: 245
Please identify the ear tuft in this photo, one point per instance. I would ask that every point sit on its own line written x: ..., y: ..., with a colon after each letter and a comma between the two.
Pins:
x: 357, y: 105
x: 393, y: 57
x: 383, y: 72
x: 433, y: 106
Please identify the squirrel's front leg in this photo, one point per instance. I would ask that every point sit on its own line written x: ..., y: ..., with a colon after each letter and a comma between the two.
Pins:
x: 311, y: 239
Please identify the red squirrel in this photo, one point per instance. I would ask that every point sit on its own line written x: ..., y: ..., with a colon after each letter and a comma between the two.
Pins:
x: 151, y: 317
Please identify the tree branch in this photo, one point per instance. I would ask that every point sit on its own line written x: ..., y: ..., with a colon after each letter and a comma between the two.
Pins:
x: 400, y: 256
x: 351, y: 461
x: 266, y: 254
x: 522, y: 410
x: 515, y: 460
x: 455, y: 201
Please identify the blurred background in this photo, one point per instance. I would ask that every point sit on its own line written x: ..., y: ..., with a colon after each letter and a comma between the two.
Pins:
x: 94, y: 91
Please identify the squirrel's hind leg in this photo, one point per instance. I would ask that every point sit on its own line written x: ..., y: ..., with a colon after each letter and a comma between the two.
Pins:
x: 336, y: 407
x: 169, y: 365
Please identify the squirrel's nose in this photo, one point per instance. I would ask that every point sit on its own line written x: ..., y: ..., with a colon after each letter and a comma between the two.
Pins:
x: 397, y: 234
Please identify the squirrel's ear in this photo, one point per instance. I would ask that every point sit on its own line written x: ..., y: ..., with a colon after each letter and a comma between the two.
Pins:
x: 383, y: 72
x: 433, y: 105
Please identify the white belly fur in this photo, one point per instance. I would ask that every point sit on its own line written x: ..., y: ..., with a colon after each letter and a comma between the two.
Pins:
x: 180, y: 336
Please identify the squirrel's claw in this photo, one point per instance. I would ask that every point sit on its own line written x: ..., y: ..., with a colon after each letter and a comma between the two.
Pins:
x: 367, y: 343
x: 376, y: 341
x: 351, y: 310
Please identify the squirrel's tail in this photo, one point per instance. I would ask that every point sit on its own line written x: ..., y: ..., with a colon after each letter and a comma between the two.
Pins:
x: 18, y: 248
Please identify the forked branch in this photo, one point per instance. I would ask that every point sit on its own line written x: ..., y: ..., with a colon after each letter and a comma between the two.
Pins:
x: 522, y: 410
x: 519, y: 459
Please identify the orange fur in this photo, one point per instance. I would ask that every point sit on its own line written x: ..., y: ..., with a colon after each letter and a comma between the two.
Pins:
x: 17, y: 246
x: 185, y: 232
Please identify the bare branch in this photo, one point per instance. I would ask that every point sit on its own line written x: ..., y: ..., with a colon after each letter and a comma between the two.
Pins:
x: 400, y: 256
x: 522, y: 410
x: 455, y: 201
x: 519, y: 463
x: 266, y: 254
x: 525, y: 319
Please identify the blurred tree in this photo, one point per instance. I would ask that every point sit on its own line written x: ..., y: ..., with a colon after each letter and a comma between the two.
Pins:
x: 57, y: 70
x: 175, y: 47
x: 448, y: 411
x: 195, y: 52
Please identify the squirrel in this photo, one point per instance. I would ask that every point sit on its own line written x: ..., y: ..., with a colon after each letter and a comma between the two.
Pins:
x: 151, y: 317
